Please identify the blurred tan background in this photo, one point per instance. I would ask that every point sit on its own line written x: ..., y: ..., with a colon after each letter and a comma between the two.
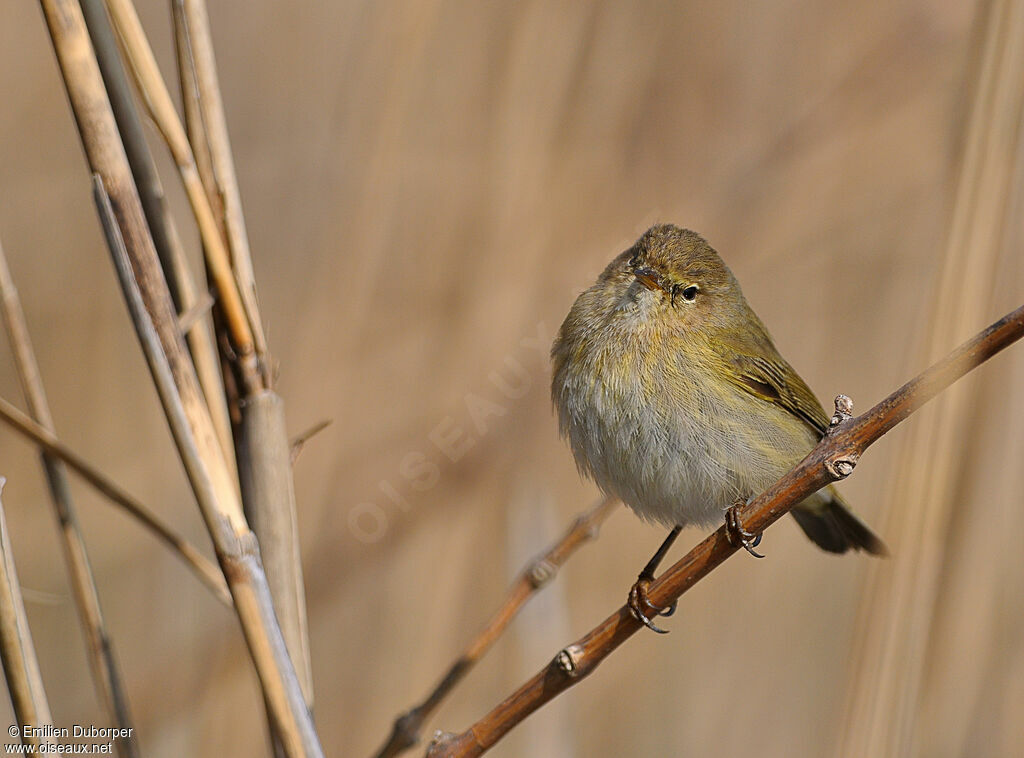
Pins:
x: 427, y: 187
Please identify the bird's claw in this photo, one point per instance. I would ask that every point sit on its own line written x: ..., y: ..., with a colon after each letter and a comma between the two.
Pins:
x: 737, y: 535
x: 639, y: 605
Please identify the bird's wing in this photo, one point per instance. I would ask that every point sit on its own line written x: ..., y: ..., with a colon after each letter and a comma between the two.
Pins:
x: 758, y: 369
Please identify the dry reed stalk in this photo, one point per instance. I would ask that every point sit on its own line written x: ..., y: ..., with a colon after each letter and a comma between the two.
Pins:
x: 405, y: 732
x: 264, y: 458
x: 268, y: 493
x: 209, y: 128
x: 21, y: 668
x: 161, y: 224
x: 206, y: 571
x: 153, y: 315
x: 833, y: 458
x: 151, y: 191
x: 161, y: 108
x: 236, y: 545
x: 192, y: 109
x: 99, y: 646
x: 897, y: 613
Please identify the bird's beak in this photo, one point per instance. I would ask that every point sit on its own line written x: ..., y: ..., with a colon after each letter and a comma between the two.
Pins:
x: 649, y: 278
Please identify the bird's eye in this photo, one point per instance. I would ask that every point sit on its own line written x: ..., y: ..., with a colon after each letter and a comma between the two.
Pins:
x: 689, y: 294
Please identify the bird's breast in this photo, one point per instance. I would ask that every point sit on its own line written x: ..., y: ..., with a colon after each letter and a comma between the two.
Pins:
x: 652, y: 425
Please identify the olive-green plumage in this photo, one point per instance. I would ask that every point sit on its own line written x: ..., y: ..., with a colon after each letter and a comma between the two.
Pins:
x: 674, y: 398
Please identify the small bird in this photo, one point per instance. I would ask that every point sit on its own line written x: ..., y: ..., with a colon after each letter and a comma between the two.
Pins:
x: 674, y: 399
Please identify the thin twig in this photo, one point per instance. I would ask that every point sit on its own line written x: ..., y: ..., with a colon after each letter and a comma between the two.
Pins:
x: 205, y: 570
x: 100, y: 647
x: 405, y: 732
x: 833, y: 458
x: 299, y: 441
x: 21, y: 667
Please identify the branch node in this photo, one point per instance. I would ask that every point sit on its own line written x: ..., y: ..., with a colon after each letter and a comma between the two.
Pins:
x: 568, y: 660
x: 541, y: 572
x: 841, y: 466
x: 441, y: 743
x: 193, y: 315
x: 844, y: 412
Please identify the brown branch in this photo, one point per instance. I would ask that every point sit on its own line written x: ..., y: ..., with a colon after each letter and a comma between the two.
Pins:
x: 99, y: 646
x: 833, y: 458
x: 406, y: 730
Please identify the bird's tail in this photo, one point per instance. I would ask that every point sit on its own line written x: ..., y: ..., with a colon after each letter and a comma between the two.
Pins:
x: 832, y: 526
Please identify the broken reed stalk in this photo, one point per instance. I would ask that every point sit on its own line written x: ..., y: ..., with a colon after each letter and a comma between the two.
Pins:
x: 832, y: 459
x: 152, y: 311
x: 205, y: 570
x: 21, y: 667
x: 161, y: 224
x: 268, y: 496
x: 99, y: 646
x: 405, y: 732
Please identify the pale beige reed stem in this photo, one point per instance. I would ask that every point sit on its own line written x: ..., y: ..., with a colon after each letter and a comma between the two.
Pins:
x: 195, y: 48
x: 161, y: 108
x: 21, y: 667
x: 162, y: 227
x: 264, y: 460
x: 149, y: 302
x: 236, y: 545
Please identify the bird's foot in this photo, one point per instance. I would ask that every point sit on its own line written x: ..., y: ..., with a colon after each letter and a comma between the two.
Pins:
x: 640, y: 605
x: 737, y: 535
